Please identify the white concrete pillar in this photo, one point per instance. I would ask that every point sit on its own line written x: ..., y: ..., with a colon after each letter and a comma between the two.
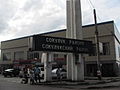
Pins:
x: 68, y: 35
x: 75, y: 72
x: 74, y: 20
x: 80, y: 68
x: 69, y: 68
x: 73, y: 65
x: 46, y: 59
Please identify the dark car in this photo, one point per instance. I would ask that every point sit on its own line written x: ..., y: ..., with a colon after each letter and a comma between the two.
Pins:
x: 11, y: 72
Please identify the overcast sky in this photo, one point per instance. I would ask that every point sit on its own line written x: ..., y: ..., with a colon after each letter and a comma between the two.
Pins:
x: 19, y: 18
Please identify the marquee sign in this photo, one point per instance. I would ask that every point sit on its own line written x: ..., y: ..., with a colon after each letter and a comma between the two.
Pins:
x: 57, y: 44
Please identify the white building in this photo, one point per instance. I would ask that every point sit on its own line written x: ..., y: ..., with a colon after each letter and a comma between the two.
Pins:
x: 17, y: 52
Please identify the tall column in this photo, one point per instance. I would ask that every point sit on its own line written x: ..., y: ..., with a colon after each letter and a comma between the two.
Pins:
x: 46, y: 59
x: 75, y: 71
x: 68, y: 35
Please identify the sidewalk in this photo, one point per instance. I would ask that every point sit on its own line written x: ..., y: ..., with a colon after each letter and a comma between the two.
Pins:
x: 88, y: 83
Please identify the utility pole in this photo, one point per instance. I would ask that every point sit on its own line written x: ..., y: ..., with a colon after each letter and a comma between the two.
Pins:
x: 97, y: 47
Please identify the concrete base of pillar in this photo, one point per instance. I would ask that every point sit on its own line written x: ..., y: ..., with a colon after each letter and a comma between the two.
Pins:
x: 75, y: 69
x: 46, y: 59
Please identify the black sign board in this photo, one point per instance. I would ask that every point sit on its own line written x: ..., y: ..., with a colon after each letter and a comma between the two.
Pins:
x: 56, y: 44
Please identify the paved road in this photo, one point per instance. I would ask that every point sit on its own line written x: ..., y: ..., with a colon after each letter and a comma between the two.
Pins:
x: 14, y: 84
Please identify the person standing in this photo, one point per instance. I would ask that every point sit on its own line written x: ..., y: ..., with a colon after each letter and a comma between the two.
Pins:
x: 58, y: 72
x: 32, y: 76
x: 37, y: 74
x: 25, y: 72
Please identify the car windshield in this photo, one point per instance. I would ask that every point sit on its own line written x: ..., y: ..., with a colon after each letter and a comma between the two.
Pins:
x: 54, y: 70
x: 8, y: 69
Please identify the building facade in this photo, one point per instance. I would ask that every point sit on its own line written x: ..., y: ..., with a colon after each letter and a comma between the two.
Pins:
x: 109, y: 55
x: 17, y: 53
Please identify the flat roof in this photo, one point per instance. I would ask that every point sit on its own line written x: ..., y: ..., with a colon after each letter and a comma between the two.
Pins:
x: 107, y: 22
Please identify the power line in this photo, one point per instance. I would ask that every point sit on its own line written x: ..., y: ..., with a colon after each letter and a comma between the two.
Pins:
x: 93, y: 7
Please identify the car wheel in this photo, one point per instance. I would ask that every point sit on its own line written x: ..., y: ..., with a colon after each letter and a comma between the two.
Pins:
x: 5, y: 75
x: 32, y: 82
x: 11, y: 75
x: 14, y: 75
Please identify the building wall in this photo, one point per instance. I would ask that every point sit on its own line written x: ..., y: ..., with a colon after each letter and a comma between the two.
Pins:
x: 117, y: 44
x: 15, y: 43
x: 105, y: 35
x: 103, y: 28
x: 109, y: 64
x: 13, y: 46
x: 117, y: 51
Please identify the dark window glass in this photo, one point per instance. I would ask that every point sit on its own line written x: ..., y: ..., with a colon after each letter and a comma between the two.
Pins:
x: 94, y: 51
x: 119, y: 51
x: 19, y: 55
x: 55, y: 55
x: 6, y: 56
x: 33, y: 55
x: 106, y: 48
x: 36, y: 55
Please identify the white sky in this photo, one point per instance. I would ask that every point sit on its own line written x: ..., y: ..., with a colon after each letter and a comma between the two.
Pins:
x: 20, y: 18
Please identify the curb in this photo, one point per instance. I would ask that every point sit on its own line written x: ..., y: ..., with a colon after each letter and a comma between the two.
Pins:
x: 100, y: 87
x: 65, y: 83
x: 72, y: 83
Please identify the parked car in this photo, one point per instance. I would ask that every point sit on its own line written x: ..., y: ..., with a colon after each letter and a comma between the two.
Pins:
x: 42, y: 72
x: 11, y: 72
x: 63, y: 73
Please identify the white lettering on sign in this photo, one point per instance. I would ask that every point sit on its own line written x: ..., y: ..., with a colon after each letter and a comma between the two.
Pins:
x: 81, y: 49
x: 46, y: 43
x: 71, y: 42
x: 53, y: 40
x: 57, y: 47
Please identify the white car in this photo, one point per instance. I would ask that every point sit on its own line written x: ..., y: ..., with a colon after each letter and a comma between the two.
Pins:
x: 63, y: 73
x: 42, y: 72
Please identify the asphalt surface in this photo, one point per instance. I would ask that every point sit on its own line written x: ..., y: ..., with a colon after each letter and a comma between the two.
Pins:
x: 91, y: 83
x: 13, y: 84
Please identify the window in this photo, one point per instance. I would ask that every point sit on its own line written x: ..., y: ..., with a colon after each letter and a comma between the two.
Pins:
x: 6, y: 56
x: 36, y: 55
x: 55, y: 55
x: 30, y: 55
x: 94, y: 51
x: 76, y: 58
x: 105, y: 51
x: 33, y: 55
x: 19, y: 55
x: 106, y: 48
x: 119, y: 51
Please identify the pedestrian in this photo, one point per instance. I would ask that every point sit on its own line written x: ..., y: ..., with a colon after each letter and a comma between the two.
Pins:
x: 99, y: 74
x: 32, y: 76
x: 21, y: 74
x: 58, y: 72
x: 37, y: 74
x: 25, y: 74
